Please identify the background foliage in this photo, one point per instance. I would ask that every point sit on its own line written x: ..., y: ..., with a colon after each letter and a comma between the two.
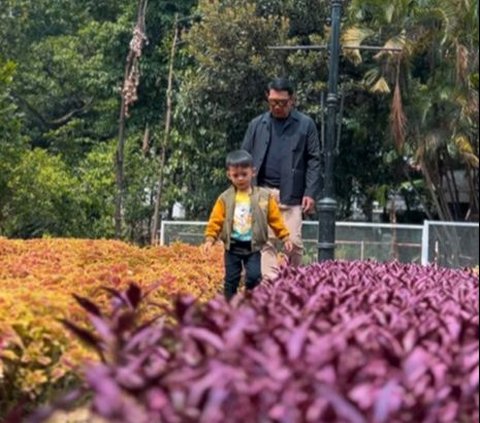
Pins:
x: 410, y: 125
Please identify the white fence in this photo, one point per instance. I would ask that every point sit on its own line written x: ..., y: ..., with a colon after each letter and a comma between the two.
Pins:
x: 449, y: 244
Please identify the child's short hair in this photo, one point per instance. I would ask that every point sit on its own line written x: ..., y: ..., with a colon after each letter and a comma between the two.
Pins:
x: 239, y: 158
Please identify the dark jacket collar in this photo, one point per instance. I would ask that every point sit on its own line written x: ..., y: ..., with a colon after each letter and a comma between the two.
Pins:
x: 294, y: 115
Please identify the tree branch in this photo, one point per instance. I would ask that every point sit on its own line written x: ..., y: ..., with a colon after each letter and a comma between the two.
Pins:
x: 51, y: 124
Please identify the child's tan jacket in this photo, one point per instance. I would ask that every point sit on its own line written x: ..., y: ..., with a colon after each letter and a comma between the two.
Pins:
x: 265, y: 213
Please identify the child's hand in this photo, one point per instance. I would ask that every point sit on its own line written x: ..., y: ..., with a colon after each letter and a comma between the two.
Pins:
x: 207, y: 246
x: 288, y: 245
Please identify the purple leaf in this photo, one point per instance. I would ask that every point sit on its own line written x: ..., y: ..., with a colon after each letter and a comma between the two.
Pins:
x: 116, y: 294
x: 416, y: 364
x: 474, y: 378
x: 128, y: 378
x: 156, y: 399
x: 125, y: 321
x: 297, y: 341
x: 146, y: 334
x: 206, y: 336
x: 134, y: 295
x: 88, y: 305
x: 342, y: 406
x: 83, y: 334
x: 108, y: 400
x: 363, y: 395
x: 102, y: 326
x: 388, y: 401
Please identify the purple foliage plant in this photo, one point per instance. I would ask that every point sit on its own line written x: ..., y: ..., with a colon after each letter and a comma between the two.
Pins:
x: 337, y: 341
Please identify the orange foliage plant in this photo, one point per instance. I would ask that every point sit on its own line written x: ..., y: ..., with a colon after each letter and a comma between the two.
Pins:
x: 37, y: 280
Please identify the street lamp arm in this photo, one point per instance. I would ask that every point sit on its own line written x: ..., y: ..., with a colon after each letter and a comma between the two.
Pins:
x: 325, y: 47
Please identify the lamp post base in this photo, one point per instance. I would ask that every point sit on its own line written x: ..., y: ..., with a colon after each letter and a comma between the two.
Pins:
x: 326, y: 229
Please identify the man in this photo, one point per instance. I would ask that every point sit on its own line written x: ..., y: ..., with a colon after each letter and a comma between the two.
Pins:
x: 285, y: 148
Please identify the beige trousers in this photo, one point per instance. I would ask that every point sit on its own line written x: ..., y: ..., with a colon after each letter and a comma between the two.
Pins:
x: 292, y: 216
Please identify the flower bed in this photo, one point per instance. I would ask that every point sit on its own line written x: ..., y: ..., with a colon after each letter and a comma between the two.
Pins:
x: 37, y: 279
x: 338, y: 342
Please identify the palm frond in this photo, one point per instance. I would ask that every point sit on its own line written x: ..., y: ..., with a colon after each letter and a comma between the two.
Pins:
x: 389, y: 10
x: 353, y: 37
x: 466, y: 150
x: 370, y: 77
x: 398, y: 41
x: 433, y: 143
x: 437, y: 12
x: 381, y: 86
x: 462, y: 63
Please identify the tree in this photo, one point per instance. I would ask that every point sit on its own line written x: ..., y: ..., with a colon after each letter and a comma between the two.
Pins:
x: 11, y: 143
x: 68, y: 78
x: 433, y: 103
x: 44, y: 200
x: 166, y: 134
x: 131, y: 79
x: 219, y: 93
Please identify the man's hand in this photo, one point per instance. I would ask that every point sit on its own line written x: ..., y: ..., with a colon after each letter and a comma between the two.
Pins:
x: 308, y: 204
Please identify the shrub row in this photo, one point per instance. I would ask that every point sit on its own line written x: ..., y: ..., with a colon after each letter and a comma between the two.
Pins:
x: 339, y: 342
x: 37, y: 278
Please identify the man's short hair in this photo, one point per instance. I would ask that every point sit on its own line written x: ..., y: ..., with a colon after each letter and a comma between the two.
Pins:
x: 239, y: 158
x: 281, y: 84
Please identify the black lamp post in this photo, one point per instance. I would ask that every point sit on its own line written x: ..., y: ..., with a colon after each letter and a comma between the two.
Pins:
x: 327, y: 205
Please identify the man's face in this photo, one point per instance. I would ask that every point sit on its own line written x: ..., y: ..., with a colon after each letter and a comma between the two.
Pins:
x: 280, y: 103
x: 241, y: 176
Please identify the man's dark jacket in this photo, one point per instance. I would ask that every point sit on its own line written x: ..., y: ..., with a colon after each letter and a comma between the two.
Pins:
x: 300, y: 172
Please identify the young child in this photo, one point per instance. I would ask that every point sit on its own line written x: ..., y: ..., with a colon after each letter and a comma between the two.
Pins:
x: 240, y: 218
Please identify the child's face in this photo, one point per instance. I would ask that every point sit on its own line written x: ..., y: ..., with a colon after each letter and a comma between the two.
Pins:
x: 240, y: 176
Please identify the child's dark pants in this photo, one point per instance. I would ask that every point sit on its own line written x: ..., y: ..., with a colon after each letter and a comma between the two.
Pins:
x: 234, y: 259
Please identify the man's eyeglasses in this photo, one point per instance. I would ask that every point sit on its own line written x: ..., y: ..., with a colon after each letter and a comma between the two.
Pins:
x: 278, y: 102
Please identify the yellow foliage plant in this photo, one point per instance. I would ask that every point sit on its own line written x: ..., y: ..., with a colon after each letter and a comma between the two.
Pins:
x: 38, y: 357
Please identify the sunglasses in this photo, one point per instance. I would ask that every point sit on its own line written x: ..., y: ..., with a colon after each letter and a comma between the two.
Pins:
x: 278, y: 102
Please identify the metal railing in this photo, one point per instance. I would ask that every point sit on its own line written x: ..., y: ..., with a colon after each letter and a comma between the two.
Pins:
x: 449, y: 244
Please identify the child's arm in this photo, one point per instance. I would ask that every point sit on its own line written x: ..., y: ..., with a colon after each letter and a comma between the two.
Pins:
x: 215, y: 224
x: 275, y: 220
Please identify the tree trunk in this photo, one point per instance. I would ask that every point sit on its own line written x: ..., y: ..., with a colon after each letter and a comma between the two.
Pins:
x: 473, y: 209
x: 130, y: 76
x: 419, y: 196
x: 168, y: 118
x: 393, y: 220
x: 431, y: 188
x: 119, y: 175
x: 442, y: 232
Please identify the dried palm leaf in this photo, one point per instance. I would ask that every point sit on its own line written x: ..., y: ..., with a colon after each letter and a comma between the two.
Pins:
x: 398, y: 120
x: 353, y: 37
x: 466, y: 150
x: 461, y: 63
x: 381, y: 86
